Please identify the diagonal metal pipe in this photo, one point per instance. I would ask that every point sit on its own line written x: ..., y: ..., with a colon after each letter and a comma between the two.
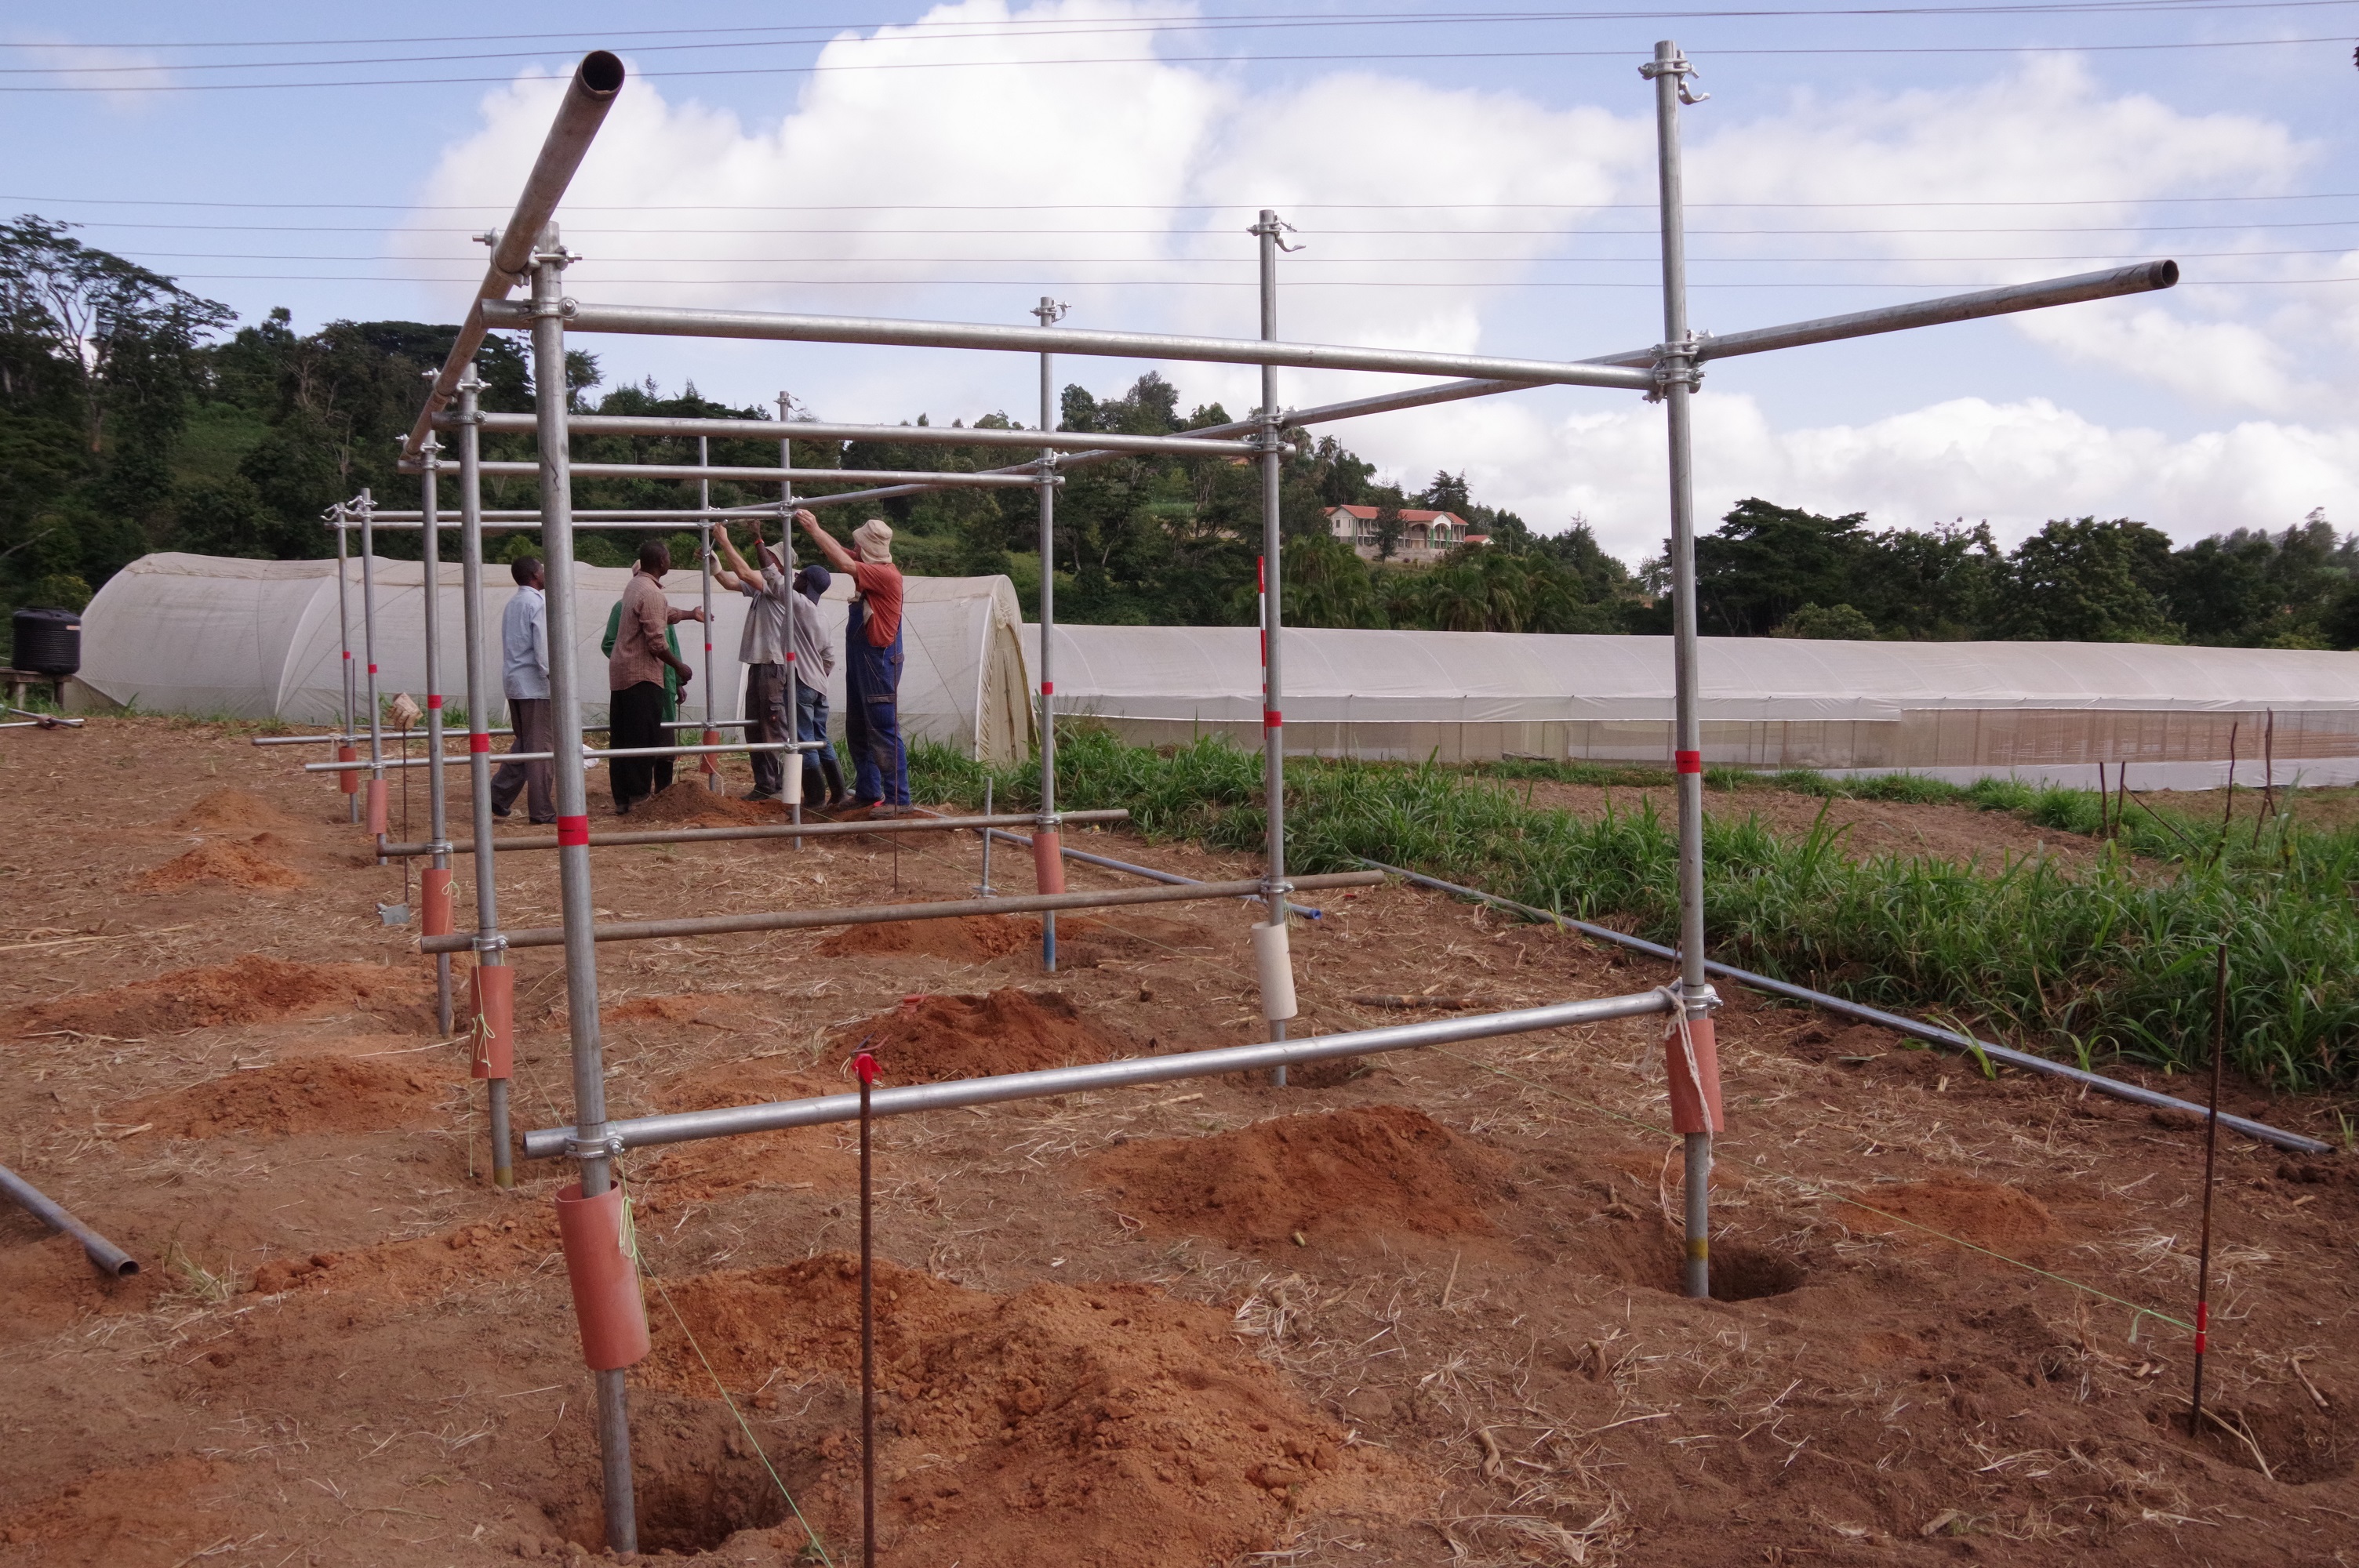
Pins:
x: 580, y: 112
x: 691, y: 471
x: 681, y: 1126
x: 104, y: 1256
x: 905, y: 435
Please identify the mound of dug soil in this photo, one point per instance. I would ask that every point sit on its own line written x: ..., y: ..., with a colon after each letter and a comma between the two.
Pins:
x: 238, y: 865
x: 231, y: 811
x: 303, y: 1093
x: 426, y: 1268
x: 976, y: 939
x: 253, y: 991
x: 928, y: 1039
x: 1334, y: 1175
x: 689, y: 802
x: 713, y: 1011
x: 1111, y: 1421
x: 1984, y: 1212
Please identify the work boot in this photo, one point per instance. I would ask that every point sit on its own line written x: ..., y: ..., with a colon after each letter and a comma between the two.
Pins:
x: 832, y: 770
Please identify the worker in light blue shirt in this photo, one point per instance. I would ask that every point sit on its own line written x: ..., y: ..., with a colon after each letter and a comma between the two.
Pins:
x: 524, y: 677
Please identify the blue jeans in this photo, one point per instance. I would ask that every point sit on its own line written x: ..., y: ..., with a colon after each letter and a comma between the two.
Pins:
x: 871, y: 719
x: 811, y: 724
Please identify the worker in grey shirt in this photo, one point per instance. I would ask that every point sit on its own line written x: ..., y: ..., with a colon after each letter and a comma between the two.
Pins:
x: 762, y: 648
x: 814, y: 661
x: 524, y: 677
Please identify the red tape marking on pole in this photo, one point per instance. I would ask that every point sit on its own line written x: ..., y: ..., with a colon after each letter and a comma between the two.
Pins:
x: 1688, y: 762
x: 433, y: 700
x: 1271, y: 718
x: 478, y: 743
x: 1048, y: 689
x: 372, y: 669
x: 2202, y: 1326
x: 572, y: 830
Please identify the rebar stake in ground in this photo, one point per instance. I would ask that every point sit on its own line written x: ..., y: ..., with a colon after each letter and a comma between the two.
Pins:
x: 865, y: 1066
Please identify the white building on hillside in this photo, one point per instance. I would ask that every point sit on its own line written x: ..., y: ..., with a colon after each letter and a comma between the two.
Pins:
x: 1425, y: 536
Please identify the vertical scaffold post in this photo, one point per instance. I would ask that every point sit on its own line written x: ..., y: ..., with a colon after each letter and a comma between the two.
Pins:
x: 1273, y: 722
x: 1048, y: 858
x: 790, y: 763
x: 344, y: 637
x: 434, y: 893
x: 1691, y: 1061
x: 494, y: 1018
x: 711, y: 762
x: 368, y: 653
x: 590, y: 1147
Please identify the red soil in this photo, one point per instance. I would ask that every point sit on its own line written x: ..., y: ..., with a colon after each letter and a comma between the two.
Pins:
x: 151, y: 1516
x: 253, y: 991
x: 303, y: 1093
x: 238, y: 865
x: 928, y: 1039
x: 231, y: 811
x: 426, y: 1268
x: 976, y: 939
x: 2004, y: 1218
x: 689, y: 802
x: 1334, y: 1177
x: 1103, y: 1423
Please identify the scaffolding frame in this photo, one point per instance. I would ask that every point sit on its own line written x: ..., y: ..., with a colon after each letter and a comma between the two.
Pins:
x: 529, y: 254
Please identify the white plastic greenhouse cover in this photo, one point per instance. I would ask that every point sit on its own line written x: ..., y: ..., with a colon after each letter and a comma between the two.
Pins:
x: 182, y: 633
x: 1952, y: 710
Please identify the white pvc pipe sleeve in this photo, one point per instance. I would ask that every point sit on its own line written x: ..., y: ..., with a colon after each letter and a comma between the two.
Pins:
x: 1275, y: 966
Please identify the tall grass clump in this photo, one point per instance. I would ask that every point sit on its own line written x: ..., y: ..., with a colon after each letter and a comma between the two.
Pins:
x: 2109, y: 958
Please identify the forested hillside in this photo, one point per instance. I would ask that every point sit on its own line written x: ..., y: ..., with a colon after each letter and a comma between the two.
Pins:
x: 135, y: 415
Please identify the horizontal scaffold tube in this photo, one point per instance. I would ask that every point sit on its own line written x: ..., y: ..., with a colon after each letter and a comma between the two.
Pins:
x: 750, y: 830
x: 617, y: 518
x: 812, y: 476
x: 451, y: 759
x: 104, y: 1256
x: 1107, y: 863
x: 682, y: 1127
x: 1897, y: 1022
x: 907, y: 435
x: 2078, y: 290
x: 890, y: 913
x: 659, y: 321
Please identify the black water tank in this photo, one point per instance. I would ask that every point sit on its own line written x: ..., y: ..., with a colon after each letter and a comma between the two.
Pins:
x: 48, y: 642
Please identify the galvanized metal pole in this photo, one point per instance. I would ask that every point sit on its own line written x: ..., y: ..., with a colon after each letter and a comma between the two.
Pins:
x: 438, y: 822
x: 704, y: 570
x: 1273, y: 722
x: 491, y: 951
x: 1047, y: 310
x: 368, y: 653
x: 1677, y: 380
x: 794, y: 667
x: 590, y: 1149
x: 344, y: 637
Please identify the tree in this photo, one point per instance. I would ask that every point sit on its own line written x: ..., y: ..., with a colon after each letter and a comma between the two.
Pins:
x: 1765, y: 562
x: 1388, y: 521
x: 2086, y: 581
x: 1833, y: 622
x: 1446, y: 494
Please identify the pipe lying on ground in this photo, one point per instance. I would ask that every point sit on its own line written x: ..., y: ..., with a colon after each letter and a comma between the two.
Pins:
x: 888, y: 914
x: 587, y: 755
x: 1169, y: 879
x: 1931, y: 1034
x: 681, y: 1126
x: 104, y: 1256
x: 760, y: 830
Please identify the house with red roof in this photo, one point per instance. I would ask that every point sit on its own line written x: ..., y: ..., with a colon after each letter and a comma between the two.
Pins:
x: 1425, y: 536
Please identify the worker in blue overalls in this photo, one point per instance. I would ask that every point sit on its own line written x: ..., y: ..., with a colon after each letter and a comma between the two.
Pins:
x: 872, y: 664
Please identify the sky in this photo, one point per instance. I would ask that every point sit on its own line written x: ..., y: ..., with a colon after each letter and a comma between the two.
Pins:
x: 1459, y: 178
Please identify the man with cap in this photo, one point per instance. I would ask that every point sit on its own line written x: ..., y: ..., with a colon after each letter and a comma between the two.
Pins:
x: 871, y: 663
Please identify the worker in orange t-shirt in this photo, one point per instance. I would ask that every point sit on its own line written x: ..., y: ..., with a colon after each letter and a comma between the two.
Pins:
x: 871, y: 663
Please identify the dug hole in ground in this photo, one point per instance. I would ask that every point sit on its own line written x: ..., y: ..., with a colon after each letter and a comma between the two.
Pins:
x: 1417, y: 1309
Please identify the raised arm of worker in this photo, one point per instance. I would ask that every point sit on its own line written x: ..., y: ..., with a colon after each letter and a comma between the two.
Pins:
x: 837, y: 556
x: 736, y: 574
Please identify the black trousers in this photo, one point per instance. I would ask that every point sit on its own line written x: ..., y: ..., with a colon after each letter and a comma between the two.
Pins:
x: 635, y: 715
x: 765, y: 707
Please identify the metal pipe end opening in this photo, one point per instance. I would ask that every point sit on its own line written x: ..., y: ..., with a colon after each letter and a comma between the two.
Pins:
x: 599, y: 74
x: 2163, y: 274
x: 122, y: 1270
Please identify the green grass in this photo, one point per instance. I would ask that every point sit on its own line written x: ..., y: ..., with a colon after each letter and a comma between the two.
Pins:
x: 2110, y: 959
